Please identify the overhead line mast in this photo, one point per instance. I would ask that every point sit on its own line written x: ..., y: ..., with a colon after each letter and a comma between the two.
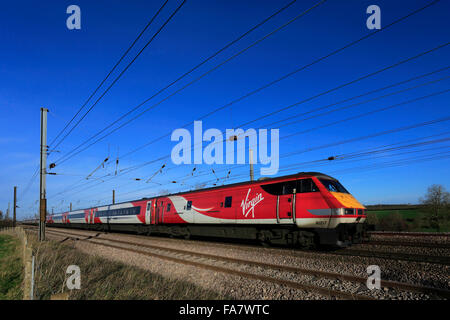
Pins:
x: 43, y: 172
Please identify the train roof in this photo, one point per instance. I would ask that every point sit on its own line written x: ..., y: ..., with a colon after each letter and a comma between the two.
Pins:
x: 259, y: 181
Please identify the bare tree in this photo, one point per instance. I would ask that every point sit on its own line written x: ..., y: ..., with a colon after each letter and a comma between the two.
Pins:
x: 437, y: 200
x: 1, y: 215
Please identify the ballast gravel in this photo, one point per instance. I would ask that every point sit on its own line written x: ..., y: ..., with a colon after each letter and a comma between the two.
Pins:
x: 239, y: 287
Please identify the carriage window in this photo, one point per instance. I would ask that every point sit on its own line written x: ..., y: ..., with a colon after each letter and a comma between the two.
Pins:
x: 307, y: 185
x: 189, y: 205
x: 280, y: 188
x: 274, y: 189
x: 333, y: 185
x: 168, y: 207
x: 228, y: 201
x: 288, y: 187
x: 148, y: 206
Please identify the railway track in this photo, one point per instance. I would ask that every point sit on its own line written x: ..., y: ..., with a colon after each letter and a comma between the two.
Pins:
x: 360, y: 253
x: 196, y: 259
x: 408, y: 244
x: 409, y: 234
x: 393, y: 256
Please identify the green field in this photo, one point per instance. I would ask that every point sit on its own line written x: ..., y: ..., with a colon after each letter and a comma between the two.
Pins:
x: 11, y: 270
x: 415, y: 219
x: 405, y: 213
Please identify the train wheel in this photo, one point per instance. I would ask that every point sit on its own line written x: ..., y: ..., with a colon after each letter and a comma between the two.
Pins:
x: 264, y: 238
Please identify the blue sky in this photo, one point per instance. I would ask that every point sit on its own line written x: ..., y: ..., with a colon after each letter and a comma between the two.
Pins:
x: 43, y: 64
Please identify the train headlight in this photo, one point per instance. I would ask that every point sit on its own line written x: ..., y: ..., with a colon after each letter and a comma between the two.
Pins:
x: 349, y: 211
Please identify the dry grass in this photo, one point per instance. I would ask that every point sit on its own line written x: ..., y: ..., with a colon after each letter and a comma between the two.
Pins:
x: 104, y: 279
x: 11, y: 268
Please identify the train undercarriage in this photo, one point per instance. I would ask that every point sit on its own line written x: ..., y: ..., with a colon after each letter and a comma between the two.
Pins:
x: 341, y: 236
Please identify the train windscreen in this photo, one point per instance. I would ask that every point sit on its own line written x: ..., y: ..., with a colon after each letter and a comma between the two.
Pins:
x: 333, y: 185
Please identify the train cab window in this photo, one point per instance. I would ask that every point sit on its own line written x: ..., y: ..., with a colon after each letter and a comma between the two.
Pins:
x: 307, y: 185
x: 228, y: 202
x: 333, y: 185
x: 189, y: 205
x: 168, y: 207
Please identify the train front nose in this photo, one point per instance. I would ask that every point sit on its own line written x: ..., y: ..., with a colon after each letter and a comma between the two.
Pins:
x: 346, y: 227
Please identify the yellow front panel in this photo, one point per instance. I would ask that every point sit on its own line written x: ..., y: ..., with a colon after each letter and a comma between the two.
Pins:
x: 347, y: 200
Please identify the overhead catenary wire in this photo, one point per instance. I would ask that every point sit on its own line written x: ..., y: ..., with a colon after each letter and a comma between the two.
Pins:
x: 319, y: 108
x: 279, y: 79
x: 373, y: 135
x: 362, y: 95
x: 407, y: 160
x: 110, y: 72
x: 436, y: 156
x: 192, y: 69
x: 379, y: 152
x: 367, y: 113
x: 376, y: 72
x: 414, y: 78
x: 400, y: 129
x: 121, y: 73
x: 29, y: 184
x: 336, y: 122
x: 72, y: 152
x: 303, y: 68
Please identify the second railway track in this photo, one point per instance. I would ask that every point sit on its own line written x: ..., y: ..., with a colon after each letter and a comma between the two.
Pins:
x: 196, y: 259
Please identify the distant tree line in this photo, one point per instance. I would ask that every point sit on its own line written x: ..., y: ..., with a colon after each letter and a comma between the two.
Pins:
x: 432, y: 214
x: 5, y: 221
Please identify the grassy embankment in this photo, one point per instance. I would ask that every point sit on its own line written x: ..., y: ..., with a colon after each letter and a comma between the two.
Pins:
x: 11, y: 268
x: 406, y: 218
x: 105, y: 279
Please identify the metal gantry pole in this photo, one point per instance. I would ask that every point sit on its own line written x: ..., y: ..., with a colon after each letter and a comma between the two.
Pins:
x: 15, y: 206
x: 43, y: 172
x: 113, y: 196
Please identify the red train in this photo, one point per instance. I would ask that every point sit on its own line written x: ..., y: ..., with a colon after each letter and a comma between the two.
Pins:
x: 303, y: 209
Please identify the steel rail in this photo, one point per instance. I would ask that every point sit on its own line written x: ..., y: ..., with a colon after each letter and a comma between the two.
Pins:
x: 394, y: 256
x: 408, y: 234
x: 408, y: 244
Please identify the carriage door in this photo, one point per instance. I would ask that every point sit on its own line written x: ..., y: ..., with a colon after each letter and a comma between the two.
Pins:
x: 156, y: 214
x: 148, y: 213
x: 91, y: 216
x: 286, y: 201
x: 161, y: 212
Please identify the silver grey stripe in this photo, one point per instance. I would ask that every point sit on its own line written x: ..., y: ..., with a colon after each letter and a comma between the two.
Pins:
x: 324, y: 212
